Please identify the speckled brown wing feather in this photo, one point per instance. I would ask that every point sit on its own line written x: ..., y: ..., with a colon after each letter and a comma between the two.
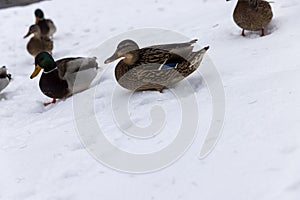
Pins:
x: 140, y: 78
x: 152, y: 55
x: 147, y: 73
x: 181, y: 49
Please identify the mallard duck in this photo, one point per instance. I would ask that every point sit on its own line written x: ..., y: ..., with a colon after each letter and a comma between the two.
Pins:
x: 252, y: 15
x: 154, y: 67
x: 38, y: 43
x: 46, y: 25
x: 58, y: 77
x: 4, y: 78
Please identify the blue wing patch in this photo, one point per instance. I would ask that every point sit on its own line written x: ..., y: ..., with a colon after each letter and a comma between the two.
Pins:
x: 169, y: 65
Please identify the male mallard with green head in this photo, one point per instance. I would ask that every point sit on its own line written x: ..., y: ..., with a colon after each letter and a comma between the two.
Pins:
x: 58, y: 77
x: 4, y: 78
x: 38, y: 43
x: 252, y: 15
x: 46, y: 25
x: 155, y: 67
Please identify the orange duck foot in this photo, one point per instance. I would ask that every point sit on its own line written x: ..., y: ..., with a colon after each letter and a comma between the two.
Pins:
x: 52, y: 102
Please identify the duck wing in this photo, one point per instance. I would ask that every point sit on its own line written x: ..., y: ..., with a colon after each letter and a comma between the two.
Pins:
x: 181, y: 49
x: 174, y: 45
x: 72, y: 65
x: 82, y: 70
x: 52, y: 27
x: 157, y: 59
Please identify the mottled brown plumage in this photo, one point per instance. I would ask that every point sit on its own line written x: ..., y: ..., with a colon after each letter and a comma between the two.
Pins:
x: 154, y: 67
x: 252, y: 15
x: 38, y: 43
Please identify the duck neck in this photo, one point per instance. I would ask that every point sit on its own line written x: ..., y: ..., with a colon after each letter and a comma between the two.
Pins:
x: 37, y: 35
x: 131, y: 58
x: 50, y: 68
x: 48, y: 72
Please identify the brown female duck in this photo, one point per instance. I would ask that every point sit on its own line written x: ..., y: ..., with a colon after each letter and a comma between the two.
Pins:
x: 38, y: 43
x: 252, y: 15
x: 154, y: 67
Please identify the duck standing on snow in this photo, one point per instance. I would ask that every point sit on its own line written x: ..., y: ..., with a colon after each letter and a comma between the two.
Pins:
x: 38, y: 43
x: 58, y: 78
x: 4, y: 78
x: 154, y: 67
x: 252, y: 15
x: 46, y: 25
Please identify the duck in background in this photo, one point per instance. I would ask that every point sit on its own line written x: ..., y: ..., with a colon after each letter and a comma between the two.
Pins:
x: 155, y: 67
x: 46, y: 25
x: 252, y: 15
x: 38, y: 43
x: 5, y: 78
x: 58, y: 77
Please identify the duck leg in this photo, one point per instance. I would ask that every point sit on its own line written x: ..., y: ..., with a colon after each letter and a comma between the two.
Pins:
x: 52, y: 102
x: 262, y: 32
x: 243, y: 33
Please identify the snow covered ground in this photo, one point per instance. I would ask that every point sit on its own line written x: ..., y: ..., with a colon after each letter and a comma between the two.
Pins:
x: 257, y: 156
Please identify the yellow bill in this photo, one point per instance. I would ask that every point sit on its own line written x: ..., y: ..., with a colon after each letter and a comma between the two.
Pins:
x: 37, y: 70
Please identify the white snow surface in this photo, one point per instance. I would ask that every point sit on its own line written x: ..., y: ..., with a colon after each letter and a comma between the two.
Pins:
x: 257, y: 156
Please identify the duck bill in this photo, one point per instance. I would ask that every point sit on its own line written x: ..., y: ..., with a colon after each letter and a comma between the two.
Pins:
x: 27, y: 34
x: 36, y: 20
x: 111, y: 59
x: 37, y: 70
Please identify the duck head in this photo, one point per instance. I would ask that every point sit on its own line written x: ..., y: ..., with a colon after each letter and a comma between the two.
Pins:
x: 4, y: 74
x: 125, y: 49
x: 39, y: 15
x: 43, y: 61
x: 35, y: 30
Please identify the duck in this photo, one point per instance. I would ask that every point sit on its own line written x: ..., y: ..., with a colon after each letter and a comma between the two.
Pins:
x: 155, y: 67
x: 58, y: 78
x: 38, y: 43
x: 252, y: 15
x: 5, y: 78
x: 46, y: 25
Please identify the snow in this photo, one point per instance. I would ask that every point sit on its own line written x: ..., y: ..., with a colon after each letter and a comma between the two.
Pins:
x: 42, y: 156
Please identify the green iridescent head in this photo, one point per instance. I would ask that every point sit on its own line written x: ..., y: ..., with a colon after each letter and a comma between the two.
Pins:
x: 43, y: 61
x: 38, y: 14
